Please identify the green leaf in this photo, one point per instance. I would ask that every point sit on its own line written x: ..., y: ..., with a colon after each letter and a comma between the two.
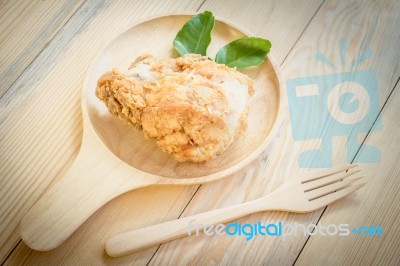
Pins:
x: 244, y: 52
x: 195, y: 35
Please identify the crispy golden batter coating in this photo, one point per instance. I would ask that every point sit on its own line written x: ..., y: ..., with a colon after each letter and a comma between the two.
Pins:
x: 193, y: 107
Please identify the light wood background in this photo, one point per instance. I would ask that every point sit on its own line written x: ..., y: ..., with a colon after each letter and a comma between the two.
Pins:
x: 45, y: 50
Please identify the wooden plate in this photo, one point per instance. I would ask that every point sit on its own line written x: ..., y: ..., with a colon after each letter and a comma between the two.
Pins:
x: 114, y: 158
x: 156, y: 36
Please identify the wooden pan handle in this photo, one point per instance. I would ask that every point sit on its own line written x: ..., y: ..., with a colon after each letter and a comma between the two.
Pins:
x: 142, y: 238
x: 95, y: 177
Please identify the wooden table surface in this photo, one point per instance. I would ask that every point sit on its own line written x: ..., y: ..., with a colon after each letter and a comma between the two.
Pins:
x: 45, y: 50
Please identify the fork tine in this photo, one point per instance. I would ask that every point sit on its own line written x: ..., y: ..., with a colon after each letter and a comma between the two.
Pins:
x: 328, y: 199
x: 323, y: 191
x: 329, y: 179
x: 308, y: 177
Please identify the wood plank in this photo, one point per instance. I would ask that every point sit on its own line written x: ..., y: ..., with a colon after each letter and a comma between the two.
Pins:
x: 374, y: 26
x: 26, y: 27
x: 267, y: 20
x: 378, y: 205
x: 86, y: 246
x: 40, y: 120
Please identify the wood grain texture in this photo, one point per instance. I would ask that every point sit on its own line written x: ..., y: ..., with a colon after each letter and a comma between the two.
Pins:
x: 40, y: 140
x: 26, y: 27
x: 291, y: 196
x: 40, y: 129
x: 114, y: 158
x: 374, y: 25
x: 281, y: 22
x: 376, y: 206
x: 59, y: 151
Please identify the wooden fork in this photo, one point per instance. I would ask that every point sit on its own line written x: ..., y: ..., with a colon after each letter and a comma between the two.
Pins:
x: 304, y: 193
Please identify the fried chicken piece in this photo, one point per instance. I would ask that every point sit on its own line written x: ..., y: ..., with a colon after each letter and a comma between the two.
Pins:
x: 191, y: 106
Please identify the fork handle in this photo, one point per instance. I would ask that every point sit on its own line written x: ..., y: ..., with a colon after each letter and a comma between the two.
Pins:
x: 142, y: 238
